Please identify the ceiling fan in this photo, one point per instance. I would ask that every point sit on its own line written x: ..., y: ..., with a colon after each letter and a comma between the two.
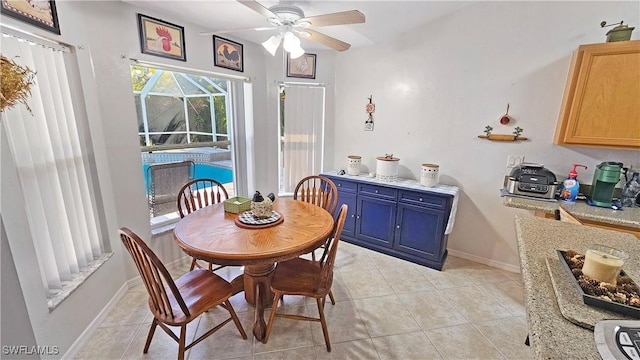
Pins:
x: 290, y: 22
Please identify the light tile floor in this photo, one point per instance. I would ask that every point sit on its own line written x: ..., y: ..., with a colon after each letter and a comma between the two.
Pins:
x: 386, y: 308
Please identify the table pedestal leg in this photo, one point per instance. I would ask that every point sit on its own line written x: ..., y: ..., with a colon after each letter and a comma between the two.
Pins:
x: 257, y: 292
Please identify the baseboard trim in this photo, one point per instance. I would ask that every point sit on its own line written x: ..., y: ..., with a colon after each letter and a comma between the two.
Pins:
x: 491, y: 262
x: 86, y: 334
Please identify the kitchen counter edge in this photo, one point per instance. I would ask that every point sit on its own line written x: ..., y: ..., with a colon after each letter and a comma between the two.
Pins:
x: 629, y: 217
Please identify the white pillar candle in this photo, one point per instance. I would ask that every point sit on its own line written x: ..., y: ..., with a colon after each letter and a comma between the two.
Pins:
x: 601, y: 266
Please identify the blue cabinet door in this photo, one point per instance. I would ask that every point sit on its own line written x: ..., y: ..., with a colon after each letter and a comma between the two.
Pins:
x: 419, y: 231
x: 375, y: 221
x: 349, y: 228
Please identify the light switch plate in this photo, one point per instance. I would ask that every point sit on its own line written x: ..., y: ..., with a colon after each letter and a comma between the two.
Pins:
x: 515, y: 160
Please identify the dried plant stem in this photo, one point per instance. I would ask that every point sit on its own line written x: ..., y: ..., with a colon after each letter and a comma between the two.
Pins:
x: 15, y: 86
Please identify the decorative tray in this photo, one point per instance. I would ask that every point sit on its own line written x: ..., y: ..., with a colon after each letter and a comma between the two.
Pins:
x: 601, y: 301
x: 249, y: 221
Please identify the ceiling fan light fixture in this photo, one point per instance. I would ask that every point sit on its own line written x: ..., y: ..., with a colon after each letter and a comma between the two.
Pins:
x: 272, y: 43
x: 290, y: 41
x: 296, y: 52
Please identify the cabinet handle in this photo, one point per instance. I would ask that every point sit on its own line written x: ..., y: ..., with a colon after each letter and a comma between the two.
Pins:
x: 352, y: 216
x: 358, y: 217
x: 398, y: 226
x: 377, y: 191
x: 339, y: 185
x: 420, y: 199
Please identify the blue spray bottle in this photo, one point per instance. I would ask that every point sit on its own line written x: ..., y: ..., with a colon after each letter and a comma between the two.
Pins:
x: 570, y: 186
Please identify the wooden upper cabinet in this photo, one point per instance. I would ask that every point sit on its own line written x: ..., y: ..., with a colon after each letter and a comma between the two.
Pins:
x: 601, y: 104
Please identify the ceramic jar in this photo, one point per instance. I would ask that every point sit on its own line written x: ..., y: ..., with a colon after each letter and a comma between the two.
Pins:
x: 353, y: 164
x: 429, y: 174
x: 387, y: 168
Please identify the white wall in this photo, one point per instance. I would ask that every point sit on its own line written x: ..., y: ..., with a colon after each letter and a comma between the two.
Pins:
x: 105, y: 36
x: 436, y: 88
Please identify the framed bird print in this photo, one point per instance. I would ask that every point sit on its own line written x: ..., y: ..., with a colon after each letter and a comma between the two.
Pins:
x: 39, y: 13
x: 161, y: 38
x: 302, y: 67
x: 228, y: 54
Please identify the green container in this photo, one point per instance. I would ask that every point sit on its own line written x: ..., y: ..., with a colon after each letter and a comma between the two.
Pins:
x: 237, y: 205
x: 619, y: 33
x: 605, y: 178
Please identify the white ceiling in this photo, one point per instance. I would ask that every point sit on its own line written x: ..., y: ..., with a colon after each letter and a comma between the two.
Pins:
x: 384, y: 19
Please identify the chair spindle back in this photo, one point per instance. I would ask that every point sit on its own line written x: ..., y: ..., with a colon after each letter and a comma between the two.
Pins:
x: 200, y: 193
x: 156, y: 278
x: 318, y: 190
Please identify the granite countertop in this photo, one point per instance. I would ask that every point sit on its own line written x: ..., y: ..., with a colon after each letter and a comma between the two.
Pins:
x: 551, y: 335
x: 629, y: 217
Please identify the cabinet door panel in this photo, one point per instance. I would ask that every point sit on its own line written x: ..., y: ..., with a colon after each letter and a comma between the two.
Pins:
x: 600, y: 105
x: 419, y: 231
x: 349, y: 228
x: 375, y: 220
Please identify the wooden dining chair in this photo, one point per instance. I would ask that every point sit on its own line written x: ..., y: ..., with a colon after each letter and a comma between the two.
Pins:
x: 197, y: 194
x: 320, y: 191
x: 178, y: 302
x: 307, y: 278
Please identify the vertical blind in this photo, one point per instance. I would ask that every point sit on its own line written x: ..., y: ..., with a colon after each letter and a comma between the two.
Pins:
x: 50, y: 162
x: 303, y: 134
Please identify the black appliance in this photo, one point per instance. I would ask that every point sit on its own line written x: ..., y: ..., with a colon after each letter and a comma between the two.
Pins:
x: 534, y: 180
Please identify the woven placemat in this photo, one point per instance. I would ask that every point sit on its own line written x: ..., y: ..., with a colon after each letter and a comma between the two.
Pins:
x: 570, y: 301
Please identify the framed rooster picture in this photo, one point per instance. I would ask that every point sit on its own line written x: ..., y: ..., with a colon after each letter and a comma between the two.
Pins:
x: 161, y: 38
x: 41, y: 13
x: 228, y: 54
x: 302, y: 67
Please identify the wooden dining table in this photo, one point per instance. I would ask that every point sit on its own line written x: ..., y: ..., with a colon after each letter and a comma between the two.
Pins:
x: 213, y: 235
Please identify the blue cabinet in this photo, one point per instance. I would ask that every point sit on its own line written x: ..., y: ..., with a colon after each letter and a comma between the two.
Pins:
x: 398, y: 219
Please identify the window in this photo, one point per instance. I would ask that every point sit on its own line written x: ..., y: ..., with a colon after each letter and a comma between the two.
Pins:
x: 179, y: 108
x: 183, y: 118
x: 48, y: 147
x: 301, y: 133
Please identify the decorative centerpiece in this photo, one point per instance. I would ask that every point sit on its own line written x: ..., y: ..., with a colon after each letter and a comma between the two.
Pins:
x: 262, y: 207
x: 621, y: 295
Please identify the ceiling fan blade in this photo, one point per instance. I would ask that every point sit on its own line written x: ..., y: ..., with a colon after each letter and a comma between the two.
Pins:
x: 326, y: 40
x: 255, y: 6
x: 238, y: 30
x: 339, y: 18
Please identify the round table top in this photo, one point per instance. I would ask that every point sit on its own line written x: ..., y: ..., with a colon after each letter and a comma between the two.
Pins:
x: 211, y: 234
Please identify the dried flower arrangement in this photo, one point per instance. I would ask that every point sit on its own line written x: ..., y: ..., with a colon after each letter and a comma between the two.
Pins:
x: 16, y: 83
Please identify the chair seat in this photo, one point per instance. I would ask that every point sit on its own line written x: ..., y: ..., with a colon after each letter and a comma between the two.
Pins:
x: 299, y: 277
x: 201, y: 290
